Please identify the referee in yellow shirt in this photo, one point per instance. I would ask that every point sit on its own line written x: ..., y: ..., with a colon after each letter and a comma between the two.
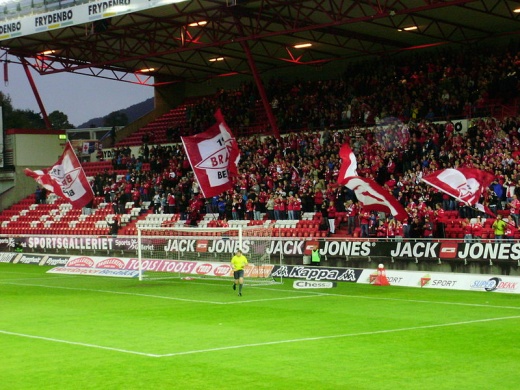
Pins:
x: 238, y: 263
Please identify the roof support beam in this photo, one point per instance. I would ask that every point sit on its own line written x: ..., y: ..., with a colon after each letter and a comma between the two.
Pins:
x: 25, y: 64
x: 259, y: 85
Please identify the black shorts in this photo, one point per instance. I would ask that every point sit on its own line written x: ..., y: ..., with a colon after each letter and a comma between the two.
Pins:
x: 238, y: 274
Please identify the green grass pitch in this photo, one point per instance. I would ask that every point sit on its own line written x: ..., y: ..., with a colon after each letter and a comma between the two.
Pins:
x: 84, y: 332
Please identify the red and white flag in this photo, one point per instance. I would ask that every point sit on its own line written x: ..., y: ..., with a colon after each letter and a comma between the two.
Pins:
x: 484, y: 209
x: 66, y: 178
x: 464, y: 184
x: 348, y: 164
x: 375, y: 198
x: 214, y: 157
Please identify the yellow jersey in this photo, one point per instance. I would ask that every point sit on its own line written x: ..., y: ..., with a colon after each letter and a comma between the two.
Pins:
x: 238, y: 262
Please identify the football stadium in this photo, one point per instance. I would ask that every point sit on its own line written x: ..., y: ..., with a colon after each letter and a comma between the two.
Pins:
x: 324, y: 195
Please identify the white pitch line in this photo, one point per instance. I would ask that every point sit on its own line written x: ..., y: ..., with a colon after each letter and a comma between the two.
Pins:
x: 379, y: 298
x: 424, y: 301
x: 251, y: 345
x: 9, y: 281
x: 242, y: 300
x: 238, y: 301
x: 307, y: 293
x: 334, y: 336
x: 116, y: 293
x: 54, y: 340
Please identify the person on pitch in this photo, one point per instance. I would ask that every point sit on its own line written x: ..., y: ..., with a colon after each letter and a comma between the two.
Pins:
x: 238, y: 263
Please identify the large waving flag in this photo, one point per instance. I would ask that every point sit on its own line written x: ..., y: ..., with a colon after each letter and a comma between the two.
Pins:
x: 374, y: 197
x: 348, y: 164
x: 464, y: 184
x: 214, y: 157
x: 66, y: 178
x: 484, y: 209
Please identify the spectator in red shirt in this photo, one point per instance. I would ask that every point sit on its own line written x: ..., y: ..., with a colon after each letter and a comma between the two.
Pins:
x: 477, y: 229
x: 468, y: 230
x: 136, y: 197
x: 514, y: 209
x: 364, y: 220
x: 171, y: 203
x: 382, y: 229
x: 297, y: 207
x: 510, y: 228
x: 290, y: 207
x: 428, y: 228
x: 351, y: 209
x: 331, y: 215
x: 439, y: 220
x: 250, y: 208
x: 390, y: 229
x: 399, y: 231
x: 318, y: 200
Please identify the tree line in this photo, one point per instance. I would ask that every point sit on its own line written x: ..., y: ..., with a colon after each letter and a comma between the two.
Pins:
x: 28, y: 119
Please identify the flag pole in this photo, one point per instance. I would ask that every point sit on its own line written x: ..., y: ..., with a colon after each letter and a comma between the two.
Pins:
x: 73, y: 151
x: 446, y: 192
x: 460, y: 200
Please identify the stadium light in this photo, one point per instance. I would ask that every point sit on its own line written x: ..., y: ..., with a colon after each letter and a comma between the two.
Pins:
x: 302, y: 45
x: 146, y: 70
x: 216, y: 59
x: 411, y: 28
x: 198, y: 24
x: 47, y: 52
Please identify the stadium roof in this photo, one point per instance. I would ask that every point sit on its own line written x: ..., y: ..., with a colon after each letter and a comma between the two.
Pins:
x: 198, y: 40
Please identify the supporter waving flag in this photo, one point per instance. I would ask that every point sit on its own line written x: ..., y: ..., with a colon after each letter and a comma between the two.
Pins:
x: 348, y: 164
x: 66, y: 178
x: 374, y: 197
x: 484, y: 209
x: 213, y: 156
x: 464, y: 184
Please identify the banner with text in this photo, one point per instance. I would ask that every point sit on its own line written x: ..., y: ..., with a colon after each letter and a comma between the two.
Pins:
x: 210, y: 250
x: 16, y: 23
x: 448, y: 281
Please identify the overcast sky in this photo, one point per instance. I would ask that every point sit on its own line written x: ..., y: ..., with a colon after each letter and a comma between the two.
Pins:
x: 79, y: 97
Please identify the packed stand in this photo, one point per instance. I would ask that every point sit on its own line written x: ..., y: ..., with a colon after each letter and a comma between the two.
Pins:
x: 395, y: 141
x: 385, y: 112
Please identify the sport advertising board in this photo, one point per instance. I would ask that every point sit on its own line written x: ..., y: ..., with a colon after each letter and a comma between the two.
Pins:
x: 128, y: 267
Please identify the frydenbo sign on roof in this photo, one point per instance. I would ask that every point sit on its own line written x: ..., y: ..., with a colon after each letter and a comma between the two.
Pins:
x: 39, y: 18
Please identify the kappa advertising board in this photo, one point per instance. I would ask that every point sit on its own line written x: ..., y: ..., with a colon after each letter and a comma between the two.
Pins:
x: 448, y: 281
x: 317, y: 273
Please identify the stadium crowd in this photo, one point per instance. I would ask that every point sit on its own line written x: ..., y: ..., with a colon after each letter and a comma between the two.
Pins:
x: 399, y: 119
